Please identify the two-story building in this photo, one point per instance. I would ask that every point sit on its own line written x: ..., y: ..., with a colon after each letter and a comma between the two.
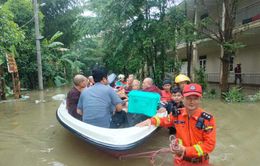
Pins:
x: 206, y: 52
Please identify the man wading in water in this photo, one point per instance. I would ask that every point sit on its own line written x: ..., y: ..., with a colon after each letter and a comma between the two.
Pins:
x: 196, y: 129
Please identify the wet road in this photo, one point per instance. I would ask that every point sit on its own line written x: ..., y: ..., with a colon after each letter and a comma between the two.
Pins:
x: 31, y: 136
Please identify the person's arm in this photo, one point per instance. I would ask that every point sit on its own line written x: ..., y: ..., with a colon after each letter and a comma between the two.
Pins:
x: 80, y: 105
x: 116, y: 101
x: 161, y: 107
x: 79, y: 112
x: 156, y: 121
x: 119, y: 107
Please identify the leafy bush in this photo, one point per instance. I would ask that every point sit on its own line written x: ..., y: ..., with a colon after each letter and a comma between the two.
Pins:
x: 255, y: 97
x: 234, y: 95
x: 200, y: 78
x: 59, y: 81
x: 212, y: 94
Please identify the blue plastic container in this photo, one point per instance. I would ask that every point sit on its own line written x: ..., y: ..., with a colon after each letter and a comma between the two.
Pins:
x: 143, y: 102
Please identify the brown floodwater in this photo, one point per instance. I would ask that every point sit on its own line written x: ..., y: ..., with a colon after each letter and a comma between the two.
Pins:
x: 31, y: 136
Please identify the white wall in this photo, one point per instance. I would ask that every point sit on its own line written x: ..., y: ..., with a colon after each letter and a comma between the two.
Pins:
x: 249, y: 57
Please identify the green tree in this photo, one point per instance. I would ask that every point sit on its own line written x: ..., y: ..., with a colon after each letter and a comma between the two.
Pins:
x: 10, y: 37
x: 89, y: 51
x: 59, y: 63
x: 2, y: 1
x: 60, y: 16
x: 221, y: 31
x: 10, y: 32
x: 136, y: 35
x: 26, y: 51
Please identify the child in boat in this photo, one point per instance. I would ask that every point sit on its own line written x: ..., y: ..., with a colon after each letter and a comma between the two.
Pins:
x: 174, y: 105
x: 166, y: 92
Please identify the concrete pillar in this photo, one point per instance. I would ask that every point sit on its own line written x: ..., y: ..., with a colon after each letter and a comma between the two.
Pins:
x: 194, y: 63
x: 222, y: 29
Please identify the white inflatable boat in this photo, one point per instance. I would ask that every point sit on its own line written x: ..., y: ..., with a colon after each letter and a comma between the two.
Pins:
x: 118, y: 140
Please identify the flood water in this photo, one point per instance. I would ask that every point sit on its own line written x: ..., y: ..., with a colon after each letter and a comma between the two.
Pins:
x: 31, y: 136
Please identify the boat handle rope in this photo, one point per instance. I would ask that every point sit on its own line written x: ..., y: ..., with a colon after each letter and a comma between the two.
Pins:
x: 174, y: 145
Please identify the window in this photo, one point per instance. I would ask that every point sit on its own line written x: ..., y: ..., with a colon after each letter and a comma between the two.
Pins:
x: 231, y: 63
x: 203, y: 62
x: 203, y: 16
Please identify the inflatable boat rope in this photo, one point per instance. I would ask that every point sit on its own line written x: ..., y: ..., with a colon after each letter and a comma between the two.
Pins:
x: 174, y: 144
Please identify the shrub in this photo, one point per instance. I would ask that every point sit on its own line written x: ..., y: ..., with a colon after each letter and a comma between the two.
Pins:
x: 234, y: 95
x: 211, y: 94
x: 254, y: 98
x: 200, y: 78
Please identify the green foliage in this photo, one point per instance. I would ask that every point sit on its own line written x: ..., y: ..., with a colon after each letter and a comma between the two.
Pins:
x: 211, y: 94
x: 126, y: 36
x: 234, y: 95
x: 24, y: 19
x: 233, y: 46
x: 201, y: 78
x: 2, y: 1
x: 17, y: 25
x: 60, y: 15
x: 1, y: 61
x: 8, y: 91
x: 175, y: 65
x: 22, y: 11
x: 10, y: 33
x: 136, y: 35
x: 51, y: 43
x: 254, y: 98
x: 10, y: 36
x: 86, y: 53
x: 58, y: 62
x: 59, y: 81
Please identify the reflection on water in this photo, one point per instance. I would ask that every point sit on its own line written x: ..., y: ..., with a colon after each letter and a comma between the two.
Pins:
x: 31, y: 136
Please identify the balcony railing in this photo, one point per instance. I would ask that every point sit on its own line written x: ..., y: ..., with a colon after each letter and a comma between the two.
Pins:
x: 247, y: 78
x: 248, y: 14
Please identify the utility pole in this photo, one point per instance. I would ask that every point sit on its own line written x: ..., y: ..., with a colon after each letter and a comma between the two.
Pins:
x: 38, y: 46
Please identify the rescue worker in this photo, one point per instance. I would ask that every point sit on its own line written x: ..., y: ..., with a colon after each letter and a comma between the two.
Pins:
x: 181, y: 80
x: 196, y: 129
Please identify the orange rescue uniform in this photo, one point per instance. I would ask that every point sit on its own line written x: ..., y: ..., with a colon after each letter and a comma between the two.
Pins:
x: 198, y: 141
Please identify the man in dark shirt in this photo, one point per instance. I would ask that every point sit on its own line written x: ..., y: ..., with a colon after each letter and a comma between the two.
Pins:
x: 80, y: 82
x: 238, y: 75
